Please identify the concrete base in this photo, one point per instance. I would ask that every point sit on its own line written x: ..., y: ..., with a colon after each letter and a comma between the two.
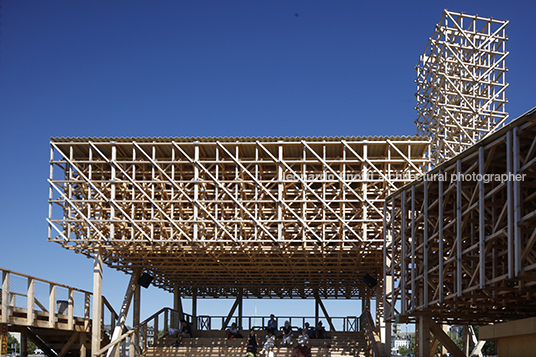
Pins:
x: 514, y: 338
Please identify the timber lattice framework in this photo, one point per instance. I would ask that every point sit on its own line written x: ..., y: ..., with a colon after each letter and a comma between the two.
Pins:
x: 287, y: 217
x: 460, y: 244
x: 461, y: 83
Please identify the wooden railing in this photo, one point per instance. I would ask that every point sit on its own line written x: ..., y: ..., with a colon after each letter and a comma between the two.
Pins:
x: 30, y: 301
x: 341, y: 324
x: 151, y: 330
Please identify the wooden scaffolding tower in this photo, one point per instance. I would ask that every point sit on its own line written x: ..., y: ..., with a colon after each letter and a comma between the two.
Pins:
x: 461, y: 83
x: 282, y: 217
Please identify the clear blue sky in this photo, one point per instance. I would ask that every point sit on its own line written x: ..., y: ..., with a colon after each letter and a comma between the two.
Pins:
x: 208, y: 68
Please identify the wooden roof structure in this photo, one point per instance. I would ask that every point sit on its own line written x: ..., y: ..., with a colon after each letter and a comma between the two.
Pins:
x: 251, y: 217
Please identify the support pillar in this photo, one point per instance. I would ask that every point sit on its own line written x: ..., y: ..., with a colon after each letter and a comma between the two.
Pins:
x: 240, y: 312
x: 422, y: 337
x: 466, y: 340
x: 96, y: 327
x: 178, y: 314
x: 317, y: 312
x: 444, y: 350
x: 135, y: 340
x: 121, y: 319
x: 24, y: 343
x: 194, y: 310
x: 381, y: 312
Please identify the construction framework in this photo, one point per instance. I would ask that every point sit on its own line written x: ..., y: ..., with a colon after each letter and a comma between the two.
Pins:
x: 211, y: 216
x: 461, y: 83
x: 460, y: 243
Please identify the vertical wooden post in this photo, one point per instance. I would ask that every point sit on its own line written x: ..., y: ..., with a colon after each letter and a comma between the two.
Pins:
x: 317, y: 311
x: 459, y: 247
x: 30, y: 314
x: 240, y: 312
x: 155, y: 331
x: 403, y: 240
x: 423, y: 336
x: 70, y: 310
x: 52, y: 306
x: 97, y: 303
x: 517, y: 202
x: 5, y: 298
x: 481, y: 222
x: 413, y: 303
x: 136, y: 321
x: 440, y: 234
x: 194, y: 310
x: 511, y: 205
x: 24, y: 343
x: 425, y: 299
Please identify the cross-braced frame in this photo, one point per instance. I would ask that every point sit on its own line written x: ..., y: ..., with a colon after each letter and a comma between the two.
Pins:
x: 460, y: 244
x: 309, y: 210
x: 461, y: 83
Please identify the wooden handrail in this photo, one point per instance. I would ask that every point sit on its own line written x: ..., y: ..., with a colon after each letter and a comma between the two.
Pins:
x: 44, y: 281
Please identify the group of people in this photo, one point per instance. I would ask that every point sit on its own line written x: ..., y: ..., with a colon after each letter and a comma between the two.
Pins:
x: 252, y: 343
x: 301, y: 350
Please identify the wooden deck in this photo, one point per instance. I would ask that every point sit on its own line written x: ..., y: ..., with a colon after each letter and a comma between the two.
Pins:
x: 54, y: 316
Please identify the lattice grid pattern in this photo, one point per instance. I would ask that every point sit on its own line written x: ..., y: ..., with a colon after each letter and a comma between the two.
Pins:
x: 308, y: 210
x: 461, y: 83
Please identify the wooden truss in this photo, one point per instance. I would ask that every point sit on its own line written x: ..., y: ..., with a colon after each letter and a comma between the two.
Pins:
x: 215, y: 216
x: 461, y: 83
x: 460, y: 242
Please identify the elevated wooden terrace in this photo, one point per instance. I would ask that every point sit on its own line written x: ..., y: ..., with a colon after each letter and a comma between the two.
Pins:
x: 54, y: 316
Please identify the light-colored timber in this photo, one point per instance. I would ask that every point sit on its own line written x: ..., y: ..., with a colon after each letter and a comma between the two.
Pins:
x: 461, y: 83
x: 210, y: 216
x: 460, y: 247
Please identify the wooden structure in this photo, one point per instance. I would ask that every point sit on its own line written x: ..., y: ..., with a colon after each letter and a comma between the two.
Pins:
x: 461, y: 83
x: 460, y: 243
x: 211, y: 216
x: 54, y: 316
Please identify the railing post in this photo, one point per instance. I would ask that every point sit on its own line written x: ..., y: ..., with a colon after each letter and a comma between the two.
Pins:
x: 70, y: 310
x: 52, y: 306
x: 166, y: 320
x: 30, y: 314
x: 5, y: 297
x: 155, y: 331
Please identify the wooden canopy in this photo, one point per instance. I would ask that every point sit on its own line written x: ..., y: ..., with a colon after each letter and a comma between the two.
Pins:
x: 277, y: 217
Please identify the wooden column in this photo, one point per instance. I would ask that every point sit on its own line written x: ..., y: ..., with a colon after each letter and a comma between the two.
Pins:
x: 194, y: 310
x: 97, y: 303
x: 422, y: 337
x: 177, y: 307
x: 240, y: 312
x: 24, y: 343
x: 5, y: 298
x: 136, y: 320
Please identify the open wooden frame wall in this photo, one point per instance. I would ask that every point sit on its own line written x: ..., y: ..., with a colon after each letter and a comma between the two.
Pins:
x: 212, y: 216
x: 461, y: 83
x: 460, y: 242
